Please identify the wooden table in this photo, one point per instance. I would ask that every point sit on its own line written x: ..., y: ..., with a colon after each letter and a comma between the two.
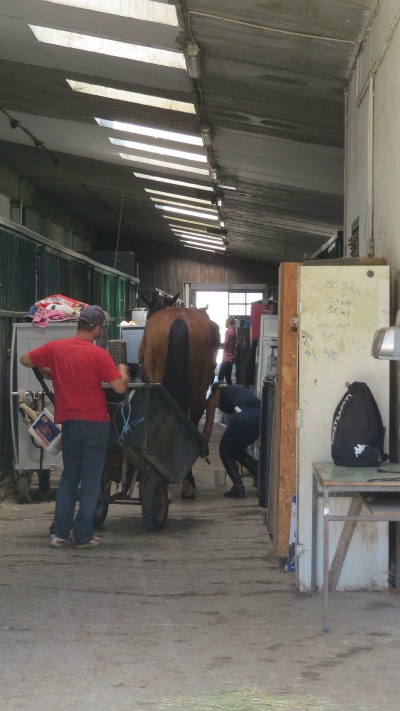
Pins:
x: 361, y: 484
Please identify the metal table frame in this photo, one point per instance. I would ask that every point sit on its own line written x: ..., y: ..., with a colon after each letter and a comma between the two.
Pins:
x: 329, y: 479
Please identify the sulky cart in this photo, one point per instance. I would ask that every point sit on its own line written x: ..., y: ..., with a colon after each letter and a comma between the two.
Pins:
x: 152, y: 444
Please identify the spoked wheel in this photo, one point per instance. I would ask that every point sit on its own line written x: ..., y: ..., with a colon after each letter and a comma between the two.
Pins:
x: 155, y: 503
x: 101, y: 512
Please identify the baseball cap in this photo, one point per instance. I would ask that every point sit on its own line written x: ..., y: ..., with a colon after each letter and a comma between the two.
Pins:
x: 93, y: 315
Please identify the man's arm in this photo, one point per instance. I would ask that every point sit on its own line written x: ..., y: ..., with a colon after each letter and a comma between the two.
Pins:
x: 211, y: 405
x: 26, y: 361
x: 120, y: 384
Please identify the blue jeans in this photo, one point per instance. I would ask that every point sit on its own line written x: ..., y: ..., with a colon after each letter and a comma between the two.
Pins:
x: 84, y: 446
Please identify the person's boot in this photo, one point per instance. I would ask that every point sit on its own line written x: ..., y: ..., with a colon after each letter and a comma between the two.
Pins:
x: 237, y: 491
x: 251, y: 464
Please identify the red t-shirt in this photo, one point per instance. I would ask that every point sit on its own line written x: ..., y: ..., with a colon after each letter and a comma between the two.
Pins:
x: 229, y: 346
x: 78, y: 369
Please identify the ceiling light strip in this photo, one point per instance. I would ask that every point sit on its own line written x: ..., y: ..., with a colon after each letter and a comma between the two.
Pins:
x: 108, y: 92
x: 112, y: 48
x: 201, y: 244
x: 151, y: 132
x: 183, y: 203
x: 171, y: 181
x: 181, y: 211
x: 163, y: 164
x: 148, y: 148
x: 135, y: 9
x: 179, y: 197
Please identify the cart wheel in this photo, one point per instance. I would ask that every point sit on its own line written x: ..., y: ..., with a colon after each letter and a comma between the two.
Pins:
x: 101, y: 512
x: 155, y: 503
x: 23, y: 483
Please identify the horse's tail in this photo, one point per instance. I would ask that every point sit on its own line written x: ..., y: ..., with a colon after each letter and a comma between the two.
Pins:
x: 177, y: 365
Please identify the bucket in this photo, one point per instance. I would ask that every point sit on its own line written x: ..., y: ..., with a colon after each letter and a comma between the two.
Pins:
x: 219, y: 477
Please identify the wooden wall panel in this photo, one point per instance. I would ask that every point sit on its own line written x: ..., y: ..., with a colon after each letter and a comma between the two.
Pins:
x: 283, y: 478
x: 164, y: 267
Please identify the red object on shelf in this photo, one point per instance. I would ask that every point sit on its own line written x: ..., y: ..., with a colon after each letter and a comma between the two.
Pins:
x: 257, y: 310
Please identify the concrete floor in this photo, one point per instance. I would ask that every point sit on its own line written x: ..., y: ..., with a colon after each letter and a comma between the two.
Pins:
x: 199, y: 611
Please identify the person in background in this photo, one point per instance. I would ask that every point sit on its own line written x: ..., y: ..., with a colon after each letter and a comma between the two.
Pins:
x: 78, y: 368
x: 228, y: 356
x: 242, y: 430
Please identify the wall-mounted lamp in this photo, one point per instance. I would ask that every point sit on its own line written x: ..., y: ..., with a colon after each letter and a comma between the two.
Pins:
x: 206, y: 135
x: 193, y: 60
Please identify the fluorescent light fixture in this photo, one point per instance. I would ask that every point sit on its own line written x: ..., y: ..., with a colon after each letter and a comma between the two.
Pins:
x: 170, y: 181
x: 151, y: 132
x: 132, y: 97
x: 164, y: 164
x: 193, y: 60
x: 112, y: 48
x: 136, y: 9
x: 201, y: 244
x: 183, y: 203
x: 179, y: 197
x: 181, y: 211
x: 148, y: 148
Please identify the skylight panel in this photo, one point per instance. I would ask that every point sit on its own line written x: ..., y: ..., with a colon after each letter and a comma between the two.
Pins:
x: 199, y: 235
x: 112, y: 48
x: 132, y: 97
x: 200, y: 244
x: 151, y: 132
x: 179, y: 197
x: 164, y: 164
x: 135, y: 9
x: 161, y: 151
x: 171, y: 181
x: 183, y: 203
x: 181, y: 211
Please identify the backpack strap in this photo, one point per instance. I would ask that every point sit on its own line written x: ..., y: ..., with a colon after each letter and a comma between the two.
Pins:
x: 44, y: 385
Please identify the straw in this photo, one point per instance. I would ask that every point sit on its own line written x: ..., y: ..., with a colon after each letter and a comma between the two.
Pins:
x: 246, y: 700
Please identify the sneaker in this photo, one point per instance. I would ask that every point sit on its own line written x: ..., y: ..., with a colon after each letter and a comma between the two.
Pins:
x: 237, y: 492
x: 57, y: 542
x: 90, y: 544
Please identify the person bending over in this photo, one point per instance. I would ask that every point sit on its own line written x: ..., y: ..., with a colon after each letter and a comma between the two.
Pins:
x: 242, y: 430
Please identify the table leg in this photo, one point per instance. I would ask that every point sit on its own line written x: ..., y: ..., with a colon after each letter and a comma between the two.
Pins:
x: 314, y: 536
x: 326, y: 562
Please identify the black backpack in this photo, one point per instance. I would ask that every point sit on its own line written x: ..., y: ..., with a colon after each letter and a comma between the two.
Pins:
x: 357, y: 429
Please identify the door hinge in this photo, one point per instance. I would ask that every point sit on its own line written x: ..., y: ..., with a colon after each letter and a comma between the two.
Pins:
x: 299, y: 419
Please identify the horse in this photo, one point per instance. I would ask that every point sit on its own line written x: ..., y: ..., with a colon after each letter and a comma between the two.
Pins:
x: 178, y: 349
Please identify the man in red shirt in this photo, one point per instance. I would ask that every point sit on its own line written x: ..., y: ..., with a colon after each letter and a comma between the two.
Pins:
x: 78, y: 368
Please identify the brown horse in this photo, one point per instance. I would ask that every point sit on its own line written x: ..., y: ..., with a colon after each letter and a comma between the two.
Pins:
x: 178, y: 349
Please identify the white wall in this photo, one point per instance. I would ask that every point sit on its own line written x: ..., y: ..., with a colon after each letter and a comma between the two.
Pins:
x: 373, y: 140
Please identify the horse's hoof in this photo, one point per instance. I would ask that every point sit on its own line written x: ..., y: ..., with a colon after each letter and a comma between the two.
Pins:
x: 187, y: 490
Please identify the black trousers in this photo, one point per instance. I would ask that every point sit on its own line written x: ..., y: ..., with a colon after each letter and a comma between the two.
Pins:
x: 225, y: 372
